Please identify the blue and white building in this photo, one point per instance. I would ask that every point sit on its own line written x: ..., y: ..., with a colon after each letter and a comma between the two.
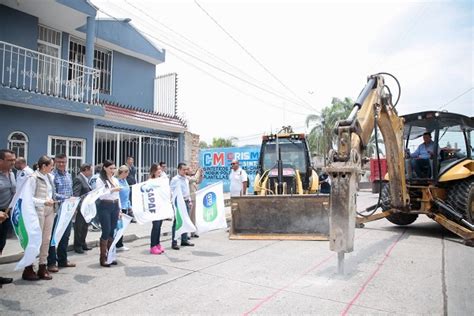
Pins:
x: 72, y: 83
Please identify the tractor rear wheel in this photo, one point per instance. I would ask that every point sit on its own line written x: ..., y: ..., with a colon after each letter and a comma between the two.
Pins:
x: 461, y: 197
x: 401, y: 219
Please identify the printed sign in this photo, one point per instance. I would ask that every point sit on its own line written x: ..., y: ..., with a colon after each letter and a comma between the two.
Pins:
x: 216, y: 164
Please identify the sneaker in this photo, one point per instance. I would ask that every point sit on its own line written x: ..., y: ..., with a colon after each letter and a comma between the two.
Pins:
x: 123, y: 249
x: 155, y: 250
x: 162, y: 249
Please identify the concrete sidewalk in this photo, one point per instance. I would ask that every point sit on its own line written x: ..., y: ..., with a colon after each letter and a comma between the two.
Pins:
x: 13, y: 251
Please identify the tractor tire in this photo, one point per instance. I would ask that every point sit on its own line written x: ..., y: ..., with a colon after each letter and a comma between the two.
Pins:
x: 401, y: 219
x: 461, y: 197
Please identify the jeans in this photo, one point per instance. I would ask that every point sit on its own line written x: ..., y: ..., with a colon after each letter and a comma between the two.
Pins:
x: 59, y: 256
x: 155, y: 233
x: 184, y: 236
x: 108, y: 216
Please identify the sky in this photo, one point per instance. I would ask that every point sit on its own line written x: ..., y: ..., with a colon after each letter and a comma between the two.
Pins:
x: 249, y: 67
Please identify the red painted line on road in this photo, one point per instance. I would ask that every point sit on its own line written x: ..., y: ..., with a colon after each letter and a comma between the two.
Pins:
x: 374, y: 273
x: 268, y: 298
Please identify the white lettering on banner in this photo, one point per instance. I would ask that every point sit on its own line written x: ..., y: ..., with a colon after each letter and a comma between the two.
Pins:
x: 26, y: 225
x: 151, y: 200
x: 210, y: 210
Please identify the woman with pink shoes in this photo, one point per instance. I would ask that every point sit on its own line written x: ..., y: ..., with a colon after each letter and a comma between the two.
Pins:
x: 155, y: 247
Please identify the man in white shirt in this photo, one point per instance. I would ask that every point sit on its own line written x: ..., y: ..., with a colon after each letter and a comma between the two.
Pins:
x: 238, y: 179
x: 180, y: 180
x: 24, y: 171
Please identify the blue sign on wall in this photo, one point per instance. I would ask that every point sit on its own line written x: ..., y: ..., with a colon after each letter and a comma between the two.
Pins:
x: 216, y: 164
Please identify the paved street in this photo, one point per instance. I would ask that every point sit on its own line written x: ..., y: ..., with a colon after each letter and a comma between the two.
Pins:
x: 420, y: 269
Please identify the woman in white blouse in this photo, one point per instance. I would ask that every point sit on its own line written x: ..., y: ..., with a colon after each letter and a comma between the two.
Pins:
x: 108, y: 208
x: 42, y: 186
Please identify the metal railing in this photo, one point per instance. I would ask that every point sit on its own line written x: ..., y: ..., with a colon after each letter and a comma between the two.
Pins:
x: 32, y: 71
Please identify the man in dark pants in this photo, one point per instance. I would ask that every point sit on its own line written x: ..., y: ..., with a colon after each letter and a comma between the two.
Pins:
x: 7, y: 191
x: 63, y: 183
x: 80, y: 187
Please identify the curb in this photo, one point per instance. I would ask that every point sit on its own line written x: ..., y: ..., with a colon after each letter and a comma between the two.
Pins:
x: 92, y: 244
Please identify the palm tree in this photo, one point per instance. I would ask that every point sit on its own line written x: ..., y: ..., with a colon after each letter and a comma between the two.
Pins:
x: 321, y: 138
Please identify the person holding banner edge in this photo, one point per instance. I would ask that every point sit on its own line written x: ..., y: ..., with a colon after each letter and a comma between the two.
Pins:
x: 155, y: 246
x: 63, y: 183
x: 182, y: 181
x: 108, y: 208
x: 42, y: 184
x: 80, y: 187
x: 125, y: 194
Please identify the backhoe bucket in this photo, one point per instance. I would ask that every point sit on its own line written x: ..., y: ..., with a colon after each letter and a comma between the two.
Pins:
x: 289, y: 217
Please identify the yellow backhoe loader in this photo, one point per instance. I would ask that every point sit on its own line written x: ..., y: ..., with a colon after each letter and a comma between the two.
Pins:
x: 286, y: 203
x: 438, y: 183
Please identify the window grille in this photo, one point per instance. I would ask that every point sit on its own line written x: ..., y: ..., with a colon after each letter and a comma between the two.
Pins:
x: 74, y: 148
x: 18, y: 143
x: 102, y: 62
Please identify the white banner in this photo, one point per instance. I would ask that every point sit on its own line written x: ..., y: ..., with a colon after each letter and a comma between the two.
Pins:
x: 210, y: 209
x: 65, y: 214
x: 122, y: 226
x: 26, y: 224
x: 151, y: 200
x: 183, y: 222
x: 88, y: 206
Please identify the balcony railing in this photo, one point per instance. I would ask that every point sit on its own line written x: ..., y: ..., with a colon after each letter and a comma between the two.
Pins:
x: 32, y: 71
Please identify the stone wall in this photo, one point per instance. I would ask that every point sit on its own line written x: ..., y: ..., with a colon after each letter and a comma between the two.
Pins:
x: 191, y: 150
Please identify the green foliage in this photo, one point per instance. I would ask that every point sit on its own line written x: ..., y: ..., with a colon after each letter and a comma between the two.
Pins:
x: 223, y: 142
x: 203, y: 144
x: 321, y: 138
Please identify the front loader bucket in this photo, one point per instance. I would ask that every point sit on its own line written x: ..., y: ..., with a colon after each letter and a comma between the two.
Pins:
x: 289, y: 217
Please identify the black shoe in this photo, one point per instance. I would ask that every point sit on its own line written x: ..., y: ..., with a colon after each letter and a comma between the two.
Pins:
x: 78, y: 250
x: 187, y: 243
x: 86, y: 248
x: 175, y: 246
x: 194, y: 235
x: 5, y: 280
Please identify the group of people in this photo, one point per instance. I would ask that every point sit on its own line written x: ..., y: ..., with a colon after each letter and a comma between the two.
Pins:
x: 50, y: 184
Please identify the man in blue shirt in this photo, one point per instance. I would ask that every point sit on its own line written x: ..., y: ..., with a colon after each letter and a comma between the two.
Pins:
x: 63, y: 184
x: 422, y: 155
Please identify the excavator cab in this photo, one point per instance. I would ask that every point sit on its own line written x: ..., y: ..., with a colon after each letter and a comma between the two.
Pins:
x: 286, y: 203
x: 296, y: 175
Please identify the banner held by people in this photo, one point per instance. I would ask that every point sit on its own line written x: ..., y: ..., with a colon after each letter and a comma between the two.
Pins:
x: 119, y: 231
x: 26, y: 225
x: 183, y: 221
x: 151, y: 200
x: 65, y: 214
x: 88, y: 206
x: 210, y: 209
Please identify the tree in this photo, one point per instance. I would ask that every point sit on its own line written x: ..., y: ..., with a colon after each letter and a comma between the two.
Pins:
x: 203, y: 144
x: 223, y: 142
x: 321, y: 138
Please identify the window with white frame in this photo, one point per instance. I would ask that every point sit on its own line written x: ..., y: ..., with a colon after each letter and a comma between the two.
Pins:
x: 74, y: 148
x: 102, y: 62
x: 18, y: 143
x: 49, y: 44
